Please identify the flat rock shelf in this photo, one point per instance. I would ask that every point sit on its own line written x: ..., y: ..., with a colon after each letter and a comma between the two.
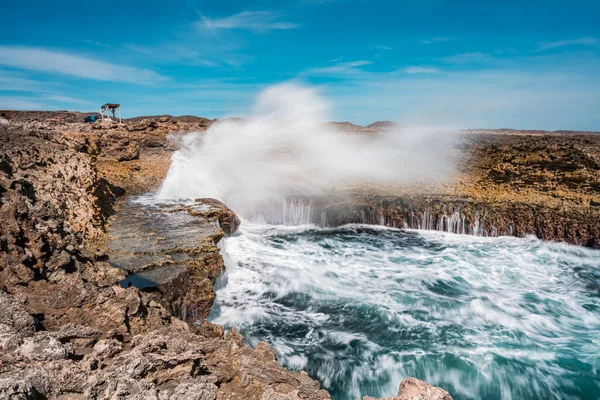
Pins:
x: 169, y: 250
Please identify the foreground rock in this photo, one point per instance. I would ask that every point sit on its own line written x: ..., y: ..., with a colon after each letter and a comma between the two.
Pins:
x: 415, y: 389
x: 170, y: 252
x: 172, y: 362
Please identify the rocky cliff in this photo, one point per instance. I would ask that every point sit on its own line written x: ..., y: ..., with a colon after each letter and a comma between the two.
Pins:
x: 542, y: 184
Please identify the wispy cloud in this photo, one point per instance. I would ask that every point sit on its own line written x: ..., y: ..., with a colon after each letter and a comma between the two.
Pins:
x: 64, y: 99
x: 170, y: 51
x: 465, y: 58
x: 422, y: 70
x: 358, y: 63
x: 257, y: 21
x: 214, y: 43
x: 436, y: 39
x: 42, y: 60
x: 99, y: 44
x: 341, y: 67
x: 584, y: 41
x: 10, y: 82
x: 336, y: 59
x: 382, y: 47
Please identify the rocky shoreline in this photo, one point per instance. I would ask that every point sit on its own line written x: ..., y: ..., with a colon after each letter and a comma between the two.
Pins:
x: 68, y: 329
x: 574, y: 225
x: 514, y: 184
x: 72, y: 327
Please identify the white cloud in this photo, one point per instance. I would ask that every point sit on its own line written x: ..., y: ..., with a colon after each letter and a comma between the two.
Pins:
x: 422, y: 70
x: 562, y: 43
x: 382, y: 47
x: 436, y: 39
x: 257, y: 21
x: 38, y: 59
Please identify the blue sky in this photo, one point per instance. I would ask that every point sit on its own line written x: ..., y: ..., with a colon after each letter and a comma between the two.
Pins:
x: 522, y: 64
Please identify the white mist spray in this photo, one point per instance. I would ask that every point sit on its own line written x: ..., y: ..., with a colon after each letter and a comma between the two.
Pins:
x: 286, y: 149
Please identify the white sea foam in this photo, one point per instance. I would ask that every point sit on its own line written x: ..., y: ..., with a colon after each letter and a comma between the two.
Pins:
x: 361, y: 308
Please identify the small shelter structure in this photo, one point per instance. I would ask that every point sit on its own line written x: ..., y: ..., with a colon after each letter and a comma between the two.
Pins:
x: 109, y: 108
x: 6, y: 116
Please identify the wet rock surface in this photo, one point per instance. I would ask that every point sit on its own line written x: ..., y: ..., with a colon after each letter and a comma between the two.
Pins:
x: 571, y: 223
x: 170, y: 251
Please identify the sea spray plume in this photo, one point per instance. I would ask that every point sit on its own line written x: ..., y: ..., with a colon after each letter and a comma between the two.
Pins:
x: 286, y: 149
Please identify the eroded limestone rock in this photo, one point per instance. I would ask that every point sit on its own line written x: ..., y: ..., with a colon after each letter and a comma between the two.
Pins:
x: 415, y: 389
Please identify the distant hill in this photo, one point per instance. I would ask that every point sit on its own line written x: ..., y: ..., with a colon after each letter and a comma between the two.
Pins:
x: 383, y: 125
x: 371, y: 129
x: 347, y: 126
